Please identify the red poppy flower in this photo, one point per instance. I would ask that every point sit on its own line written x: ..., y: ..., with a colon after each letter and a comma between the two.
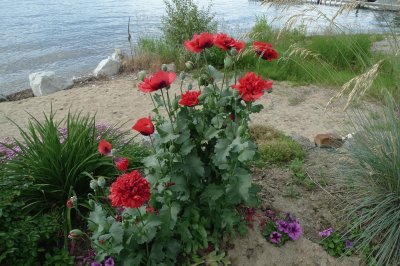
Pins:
x: 226, y: 43
x: 144, y: 126
x: 121, y: 163
x: 199, y: 42
x: 105, y: 148
x: 251, y: 87
x: 190, y: 98
x: 159, y: 80
x: 265, y: 51
x: 129, y: 190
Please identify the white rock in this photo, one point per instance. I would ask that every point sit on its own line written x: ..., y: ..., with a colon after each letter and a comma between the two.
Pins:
x: 107, y: 67
x: 119, y: 55
x: 47, y: 82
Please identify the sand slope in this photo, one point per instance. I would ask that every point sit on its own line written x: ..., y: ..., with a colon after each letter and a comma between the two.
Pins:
x: 297, y: 110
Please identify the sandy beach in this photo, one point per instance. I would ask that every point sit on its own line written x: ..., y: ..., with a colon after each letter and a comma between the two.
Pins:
x: 294, y: 110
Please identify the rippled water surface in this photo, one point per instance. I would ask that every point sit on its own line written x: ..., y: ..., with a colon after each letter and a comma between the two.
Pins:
x: 71, y: 37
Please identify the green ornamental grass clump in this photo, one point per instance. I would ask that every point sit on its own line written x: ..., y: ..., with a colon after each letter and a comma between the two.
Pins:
x: 191, y: 188
x: 373, y: 180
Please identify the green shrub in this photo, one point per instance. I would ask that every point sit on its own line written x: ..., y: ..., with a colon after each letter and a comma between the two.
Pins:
x: 184, y: 18
x: 25, y: 239
x: 374, y: 183
x: 275, y: 147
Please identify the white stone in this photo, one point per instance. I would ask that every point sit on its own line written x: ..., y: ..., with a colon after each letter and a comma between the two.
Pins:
x: 107, y: 67
x: 47, y: 82
x: 119, y: 55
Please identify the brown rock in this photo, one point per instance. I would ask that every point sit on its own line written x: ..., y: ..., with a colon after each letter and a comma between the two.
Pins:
x: 328, y: 140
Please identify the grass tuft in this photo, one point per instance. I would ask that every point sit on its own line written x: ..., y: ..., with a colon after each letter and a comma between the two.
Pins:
x: 274, y: 146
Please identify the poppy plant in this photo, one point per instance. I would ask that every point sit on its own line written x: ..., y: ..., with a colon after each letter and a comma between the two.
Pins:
x: 265, y: 51
x: 105, y: 148
x: 158, y: 81
x: 190, y: 98
x: 130, y: 190
x: 199, y: 42
x: 251, y: 87
x: 144, y: 126
x: 226, y: 43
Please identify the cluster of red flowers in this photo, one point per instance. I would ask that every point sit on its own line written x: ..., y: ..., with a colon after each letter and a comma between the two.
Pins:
x: 190, y: 98
x: 225, y: 42
x: 130, y: 190
x: 251, y: 87
x: 207, y: 40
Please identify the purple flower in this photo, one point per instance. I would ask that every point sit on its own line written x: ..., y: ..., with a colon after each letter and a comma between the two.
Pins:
x: 326, y: 232
x: 63, y: 134
x: 109, y: 262
x: 348, y: 244
x: 290, y: 218
x: 95, y: 264
x: 294, y: 230
x: 270, y: 213
x: 283, y: 226
x: 275, y: 237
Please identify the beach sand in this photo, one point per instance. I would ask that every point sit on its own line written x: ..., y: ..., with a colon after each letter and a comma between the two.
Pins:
x: 294, y: 110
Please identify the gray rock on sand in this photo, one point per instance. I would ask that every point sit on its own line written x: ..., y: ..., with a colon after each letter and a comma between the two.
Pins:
x: 47, y: 82
x: 3, y: 98
x: 107, y: 67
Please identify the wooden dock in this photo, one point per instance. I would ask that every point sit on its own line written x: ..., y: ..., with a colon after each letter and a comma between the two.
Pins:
x: 377, y: 5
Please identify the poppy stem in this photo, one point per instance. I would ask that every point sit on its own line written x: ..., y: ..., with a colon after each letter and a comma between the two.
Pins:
x: 154, y: 103
x: 259, y: 62
x: 180, y: 87
x: 141, y: 220
x: 205, y: 59
x: 166, y: 107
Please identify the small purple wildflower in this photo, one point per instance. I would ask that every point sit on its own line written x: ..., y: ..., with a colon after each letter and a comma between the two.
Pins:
x: 109, y: 262
x: 270, y: 213
x: 326, y: 232
x: 283, y: 226
x: 290, y: 218
x: 295, y: 230
x: 63, y: 134
x: 275, y: 237
x: 348, y: 244
x: 9, y: 150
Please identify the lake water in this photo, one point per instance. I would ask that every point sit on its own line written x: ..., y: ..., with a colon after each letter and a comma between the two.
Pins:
x: 71, y: 37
